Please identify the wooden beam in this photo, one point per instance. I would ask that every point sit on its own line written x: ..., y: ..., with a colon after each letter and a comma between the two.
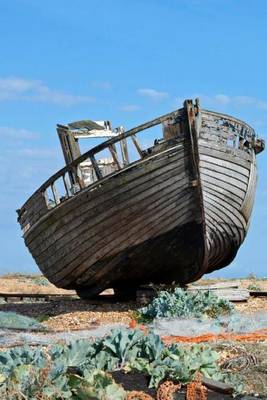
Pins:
x: 113, y: 151
x: 102, y: 146
x: 55, y: 193
x: 138, y: 147
x: 96, y: 167
x: 124, y: 152
x: 66, y: 185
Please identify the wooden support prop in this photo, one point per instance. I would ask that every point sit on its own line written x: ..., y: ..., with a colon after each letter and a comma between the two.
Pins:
x: 138, y: 147
x: 96, y: 167
x: 113, y: 151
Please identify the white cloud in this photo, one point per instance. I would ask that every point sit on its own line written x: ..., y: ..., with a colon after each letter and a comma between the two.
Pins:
x: 17, y: 133
x: 102, y: 85
x: 129, y: 108
x: 37, y: 91
x: 152, y: 94
x: 225, y: 100
x: 37, y: 153
x: 237, y: 101
x: 222, y: 98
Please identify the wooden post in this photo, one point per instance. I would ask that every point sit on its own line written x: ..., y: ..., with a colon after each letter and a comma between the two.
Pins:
x: 70, y: 148
x: 55, y: 193
x: 138, y: 147
x: 96, y: 167
x: 124, y: 152
x: 112, y: 149
x: 66, y: 185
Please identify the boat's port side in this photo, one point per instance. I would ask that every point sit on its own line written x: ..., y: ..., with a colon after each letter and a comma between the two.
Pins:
x: 72, y: 179
x: 143, y: 221
x: 116, y: 221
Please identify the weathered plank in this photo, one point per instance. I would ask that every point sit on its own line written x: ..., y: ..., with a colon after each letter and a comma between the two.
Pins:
x: 139, y: 175
x: 180, y: 209
x: 231, y: 294
x: 96, y: 213
x: 215, y: 286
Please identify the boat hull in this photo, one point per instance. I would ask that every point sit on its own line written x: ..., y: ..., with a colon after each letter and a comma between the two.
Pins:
x: 180, y: 211
x: 141, y: 227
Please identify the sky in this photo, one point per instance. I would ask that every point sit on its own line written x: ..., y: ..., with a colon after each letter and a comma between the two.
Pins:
x: 124, y: 61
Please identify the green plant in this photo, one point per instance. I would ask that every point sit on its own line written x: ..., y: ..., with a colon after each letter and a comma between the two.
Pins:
x: 254, y: 287
x: 73, y: 371
x: 251, y: 276
x: 42, y: 318
x: 98, y: 385
x: 180, y: 303
x: 40, y: 280
x: 11, y: 320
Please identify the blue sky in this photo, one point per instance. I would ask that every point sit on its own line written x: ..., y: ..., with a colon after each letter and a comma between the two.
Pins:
x: 126, y: 61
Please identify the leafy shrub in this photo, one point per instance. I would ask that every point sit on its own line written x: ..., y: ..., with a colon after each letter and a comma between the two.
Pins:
x: 180, y: 303
x: 254, y: 287
x: 11, y: 320
x: 74, y: 371
x: 98, y: 385
x: 41, y: 281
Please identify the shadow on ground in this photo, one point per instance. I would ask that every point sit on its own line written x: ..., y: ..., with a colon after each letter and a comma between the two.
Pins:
x: 58, y: 307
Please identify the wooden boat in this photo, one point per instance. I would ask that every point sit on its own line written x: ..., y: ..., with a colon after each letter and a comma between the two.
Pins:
x: 181, y: 209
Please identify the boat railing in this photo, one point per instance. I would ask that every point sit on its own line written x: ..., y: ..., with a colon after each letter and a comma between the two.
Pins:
x: 69, y: 181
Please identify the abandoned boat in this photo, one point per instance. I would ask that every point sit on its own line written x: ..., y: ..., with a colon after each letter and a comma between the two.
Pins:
x: 171, y: 212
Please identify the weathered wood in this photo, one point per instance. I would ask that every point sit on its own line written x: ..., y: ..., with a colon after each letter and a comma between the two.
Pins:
x: 113, y: 227
x: 137, y: 146
x: 103, y: 146
x: 55, y: 193
x: 124, y: 152
x: 220, y: 387
x: 114, y: 154
x: 107, y: 220
x: 106, y: 194
x: 231, y: 294
x: 98, y: 300
x: 70, y: 147
x: 255, y: 293
x: 215, y: 286
x: 181, y: 209
x: 95, y: 166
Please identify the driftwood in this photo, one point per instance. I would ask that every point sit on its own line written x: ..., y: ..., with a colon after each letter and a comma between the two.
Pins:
x: 217, y: 386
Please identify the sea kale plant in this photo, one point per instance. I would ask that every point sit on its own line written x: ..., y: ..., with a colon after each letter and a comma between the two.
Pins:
x: 80, y: 370
x: 181, y: 304
x: 12, y: 320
